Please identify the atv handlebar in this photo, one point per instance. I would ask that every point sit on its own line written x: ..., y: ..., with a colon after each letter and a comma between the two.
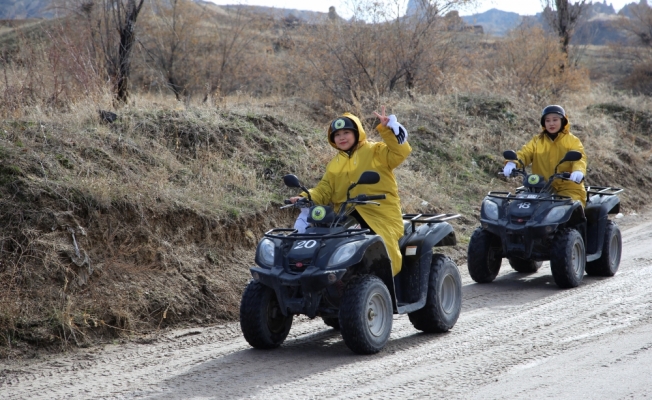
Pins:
x: 364, y: 197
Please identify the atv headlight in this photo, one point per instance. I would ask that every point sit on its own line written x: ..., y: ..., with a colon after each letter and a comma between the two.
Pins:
x: 556, y: 213
x: 266, y: 252
x: 490, y: 209
x: 343, y: 253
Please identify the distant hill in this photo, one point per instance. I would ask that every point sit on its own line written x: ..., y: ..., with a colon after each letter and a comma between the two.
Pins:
x: 26, y: 9
x: 494, y: 21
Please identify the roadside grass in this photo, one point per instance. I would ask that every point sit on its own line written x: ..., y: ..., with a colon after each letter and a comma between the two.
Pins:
x: 114, y: 230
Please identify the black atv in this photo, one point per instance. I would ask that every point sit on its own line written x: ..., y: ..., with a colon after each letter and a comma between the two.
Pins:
x: 534, y: 225
x: 342, y: 273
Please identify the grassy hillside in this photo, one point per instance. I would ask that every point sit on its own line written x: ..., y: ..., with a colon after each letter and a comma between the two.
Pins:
x: 116, y: 230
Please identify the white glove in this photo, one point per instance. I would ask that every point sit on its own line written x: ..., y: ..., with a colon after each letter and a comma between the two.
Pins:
x: 576, y: 176
x: 302, y: 220
x: 509, y: 167
x: 398, y: 129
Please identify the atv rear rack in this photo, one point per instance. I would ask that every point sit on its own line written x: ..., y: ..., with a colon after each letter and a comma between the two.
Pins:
x: 428, y: 218
x: 602, y: 190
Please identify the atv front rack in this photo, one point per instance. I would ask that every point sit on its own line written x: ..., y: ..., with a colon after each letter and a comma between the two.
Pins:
x: 512, y: 196
x: 428, y: 218
x: 289, y: 233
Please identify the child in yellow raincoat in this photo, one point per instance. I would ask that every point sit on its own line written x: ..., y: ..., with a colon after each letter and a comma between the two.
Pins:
x: 547, y: 148
x: 355, y: 155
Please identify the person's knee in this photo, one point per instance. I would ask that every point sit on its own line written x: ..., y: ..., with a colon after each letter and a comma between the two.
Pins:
x: 301, y: 222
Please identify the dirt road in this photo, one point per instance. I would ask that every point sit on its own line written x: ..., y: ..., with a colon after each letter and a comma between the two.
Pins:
x: 519, y: 337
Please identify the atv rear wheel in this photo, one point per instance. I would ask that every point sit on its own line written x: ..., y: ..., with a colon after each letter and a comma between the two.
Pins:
x: 483, y: 256
x: 568, y: 258
x: 609, y: 261
x: 366, y: 315
x: 262, y: 323
x: 333, y: 322
x: 524, y: 266
x: 444, y: 300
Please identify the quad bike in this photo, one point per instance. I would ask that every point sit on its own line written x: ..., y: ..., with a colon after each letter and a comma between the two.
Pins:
x: 342, y: 273
x: 534, y: 225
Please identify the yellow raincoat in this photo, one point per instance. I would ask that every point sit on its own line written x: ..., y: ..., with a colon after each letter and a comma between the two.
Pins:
x: 544, y: 154
x: 386, y: 220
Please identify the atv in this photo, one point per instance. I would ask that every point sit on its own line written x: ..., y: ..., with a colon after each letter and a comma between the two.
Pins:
x: 341, y: 272
x: 535, y: 224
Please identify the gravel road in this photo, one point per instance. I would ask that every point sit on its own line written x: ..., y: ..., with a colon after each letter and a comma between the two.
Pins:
x: 519, y: 337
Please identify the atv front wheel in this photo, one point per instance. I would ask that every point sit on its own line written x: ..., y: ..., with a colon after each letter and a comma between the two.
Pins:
x: 483, y: 256
x: 444, y: 300
x: 609, y: 261
x: 524, y: 266
x: 366, y: 315
x: 568, y: 258
x: 262, y: 323
x: 333, y: 322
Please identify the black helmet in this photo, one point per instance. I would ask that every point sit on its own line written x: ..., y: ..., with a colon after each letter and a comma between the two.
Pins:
x: 343, y: 123
x: 554, y: 109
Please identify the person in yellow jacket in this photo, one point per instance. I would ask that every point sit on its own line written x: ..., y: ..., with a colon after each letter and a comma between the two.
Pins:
x: 355, y: 155
x: 547, y: 148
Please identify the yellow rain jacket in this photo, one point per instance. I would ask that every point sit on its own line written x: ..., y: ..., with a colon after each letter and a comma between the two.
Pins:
x: 386, y: 220
x: 544, y: 154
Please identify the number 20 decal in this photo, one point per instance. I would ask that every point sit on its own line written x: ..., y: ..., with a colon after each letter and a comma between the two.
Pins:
x: 305, y: 244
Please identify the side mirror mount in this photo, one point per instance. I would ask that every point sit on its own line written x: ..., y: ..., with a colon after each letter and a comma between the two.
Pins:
x: 291, y: 181
x: 369, y: 178
x: 510, y: 155
x: 572, y: 155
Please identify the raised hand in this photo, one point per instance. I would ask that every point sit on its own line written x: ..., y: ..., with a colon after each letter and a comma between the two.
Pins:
x: 383, y: 118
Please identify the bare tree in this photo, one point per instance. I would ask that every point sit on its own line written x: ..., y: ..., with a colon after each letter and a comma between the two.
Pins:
x: 639, y: 25
x: 563, y: 16
x: 112, y: 26
x: 171, y: 41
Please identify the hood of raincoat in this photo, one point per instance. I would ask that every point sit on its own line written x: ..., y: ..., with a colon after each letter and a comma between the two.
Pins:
x: 362, y: 136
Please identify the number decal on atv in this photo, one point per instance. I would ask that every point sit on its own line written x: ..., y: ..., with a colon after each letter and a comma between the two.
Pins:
x: 524, y: 205
x: 305, y: 244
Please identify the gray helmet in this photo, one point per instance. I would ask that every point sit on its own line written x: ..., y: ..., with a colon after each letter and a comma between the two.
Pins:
x: 554, y: 109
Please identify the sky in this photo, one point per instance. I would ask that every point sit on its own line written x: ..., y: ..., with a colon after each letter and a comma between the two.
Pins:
x: 523, y: 7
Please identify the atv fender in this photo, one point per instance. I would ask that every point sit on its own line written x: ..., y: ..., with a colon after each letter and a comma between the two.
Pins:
x: 597, y: 212
x: 412, y: 281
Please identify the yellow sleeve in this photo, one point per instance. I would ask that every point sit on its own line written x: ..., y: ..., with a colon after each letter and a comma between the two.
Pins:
x: 390, y: 152
x: 526, y: 154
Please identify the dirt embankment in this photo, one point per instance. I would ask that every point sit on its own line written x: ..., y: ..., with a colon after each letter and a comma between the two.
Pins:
x: 111, y: 231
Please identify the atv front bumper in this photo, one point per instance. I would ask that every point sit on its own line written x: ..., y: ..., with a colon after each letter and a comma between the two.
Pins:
x: 312, y: 282
x: 529, y: 240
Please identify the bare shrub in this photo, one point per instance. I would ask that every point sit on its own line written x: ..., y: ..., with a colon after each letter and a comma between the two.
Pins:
x: 527, y: 63
x: 393, y: 54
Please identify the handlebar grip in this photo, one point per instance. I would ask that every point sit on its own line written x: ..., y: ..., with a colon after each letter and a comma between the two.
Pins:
x: 286, y: 201
x: 566, y: 175
x: 363, y: 197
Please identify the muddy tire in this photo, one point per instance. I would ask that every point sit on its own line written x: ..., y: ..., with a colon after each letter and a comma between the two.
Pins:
x: 524, y: 266
x: 333, y: 322
x: 444, y: 300
x: 366, y: 315
x: 483, y: 256
x: 262, y: 323
x: 568, y: 258
x: 609, y: 261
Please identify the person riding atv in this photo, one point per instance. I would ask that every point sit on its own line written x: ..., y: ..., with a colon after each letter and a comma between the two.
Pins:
x: 549, y: 146
x: 551, y: 217
x: 357, y: 154
x: 343, y: 273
